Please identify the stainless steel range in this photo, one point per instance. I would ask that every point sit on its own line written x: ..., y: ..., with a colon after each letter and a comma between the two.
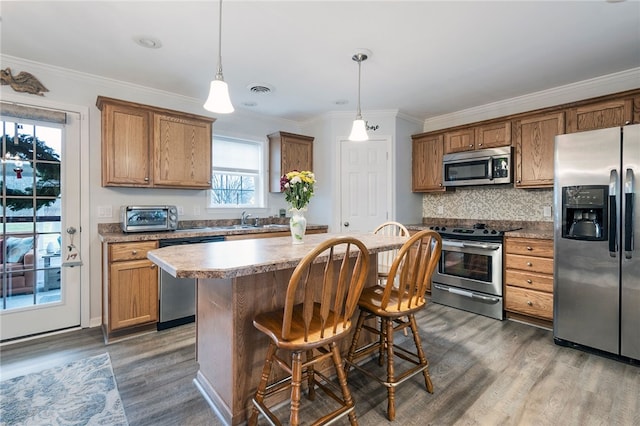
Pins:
x: 469, y: 274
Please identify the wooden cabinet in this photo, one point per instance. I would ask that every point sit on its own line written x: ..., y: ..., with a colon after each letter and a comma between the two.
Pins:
x: 426, y: 163
x: 288, y: 152
x: 490, y: 135
x: 493, y: 135
x: 460, y: 140
x: 600, y: 115
x: 130, y: 287
x: 534, y: 145
x: 528, y: 277
x: 144, y: 146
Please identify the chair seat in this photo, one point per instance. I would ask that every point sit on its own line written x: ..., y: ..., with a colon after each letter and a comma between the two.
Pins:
x: 371, y: 300
x: 270, y: 323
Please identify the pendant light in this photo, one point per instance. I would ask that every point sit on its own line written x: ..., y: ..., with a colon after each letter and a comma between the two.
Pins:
x: 218, y: 100
x: 359, y: 129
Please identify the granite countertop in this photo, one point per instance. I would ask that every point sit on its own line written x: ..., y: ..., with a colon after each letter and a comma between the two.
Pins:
x: 520, y: 229
x: 111, y: 233
x: 229, y: 259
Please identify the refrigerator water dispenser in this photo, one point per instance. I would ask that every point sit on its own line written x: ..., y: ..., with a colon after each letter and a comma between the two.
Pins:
x: 584, y: 212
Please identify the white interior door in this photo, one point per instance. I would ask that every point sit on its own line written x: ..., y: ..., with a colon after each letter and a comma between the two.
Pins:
x: 365, y: 184
x: 39, y: 293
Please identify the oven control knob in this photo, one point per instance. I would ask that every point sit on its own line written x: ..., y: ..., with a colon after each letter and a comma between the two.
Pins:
x: 486, y: 231
x: 494, y: 231
x: 433, y: 228
x: 443, y: 229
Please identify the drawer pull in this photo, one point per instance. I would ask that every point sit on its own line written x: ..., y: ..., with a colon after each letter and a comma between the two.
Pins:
x: 529, y: 248
x: 529, y: 281
x: 529, y: 302
x: 134, y: 252
x: 529, y: 264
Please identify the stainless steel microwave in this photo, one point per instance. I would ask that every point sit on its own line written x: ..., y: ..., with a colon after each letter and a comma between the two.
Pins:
x: 148, y: 218
x: 490, y: 166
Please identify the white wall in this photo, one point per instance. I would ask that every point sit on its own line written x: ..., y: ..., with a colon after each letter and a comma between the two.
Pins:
x: 78, y: 91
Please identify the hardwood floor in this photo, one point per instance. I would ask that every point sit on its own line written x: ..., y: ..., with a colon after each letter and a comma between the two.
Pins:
x: 485, y: 372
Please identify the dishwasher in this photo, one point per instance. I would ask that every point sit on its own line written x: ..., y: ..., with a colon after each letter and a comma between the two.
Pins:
x: 178, y: 295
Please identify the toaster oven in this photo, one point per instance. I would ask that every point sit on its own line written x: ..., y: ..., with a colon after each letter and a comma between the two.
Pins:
x: 148, y: 218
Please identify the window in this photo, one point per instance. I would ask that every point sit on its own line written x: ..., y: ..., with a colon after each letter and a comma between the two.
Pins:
x: 237, y: 173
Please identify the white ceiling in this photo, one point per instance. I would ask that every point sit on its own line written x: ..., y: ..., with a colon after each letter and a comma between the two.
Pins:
x: 428, y: 58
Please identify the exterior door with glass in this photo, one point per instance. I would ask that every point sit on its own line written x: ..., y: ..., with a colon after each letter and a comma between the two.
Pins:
x: 39, y: 289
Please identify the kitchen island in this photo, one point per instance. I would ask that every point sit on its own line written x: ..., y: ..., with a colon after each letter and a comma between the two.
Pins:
x: 236, y: 281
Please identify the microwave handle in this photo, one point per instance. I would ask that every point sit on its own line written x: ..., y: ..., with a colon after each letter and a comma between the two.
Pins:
x: 490, y: 168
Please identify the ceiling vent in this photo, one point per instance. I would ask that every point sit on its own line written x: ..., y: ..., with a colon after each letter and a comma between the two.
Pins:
x: 260, y: 89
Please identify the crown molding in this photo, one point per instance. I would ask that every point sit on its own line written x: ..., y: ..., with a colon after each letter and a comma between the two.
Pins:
x: 599, y: 86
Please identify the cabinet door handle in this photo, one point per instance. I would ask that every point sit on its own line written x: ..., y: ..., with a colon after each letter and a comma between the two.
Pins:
x: 479, y: 144
x: 134, y: 252
x: 146, y: 179
x: 529, y: 281
x: 529, y: 248
x: 529, y: 264
x: 529, y: 302
x: 153, y: 266
x: 470, y: 145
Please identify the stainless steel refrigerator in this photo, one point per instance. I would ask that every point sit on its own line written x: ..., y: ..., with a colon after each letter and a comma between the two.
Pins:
x: 596, y: 265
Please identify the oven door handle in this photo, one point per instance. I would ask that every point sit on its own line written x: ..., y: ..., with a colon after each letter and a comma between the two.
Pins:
x: 481, y: 246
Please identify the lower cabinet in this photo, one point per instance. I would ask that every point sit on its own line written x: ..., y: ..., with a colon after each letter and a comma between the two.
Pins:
x: 529, y: 279
x: 270, y: 234
x: 130, y: 287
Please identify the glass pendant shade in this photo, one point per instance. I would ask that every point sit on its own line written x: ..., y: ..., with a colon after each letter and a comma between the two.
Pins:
x: 359, y: 131
x: 219, y: 100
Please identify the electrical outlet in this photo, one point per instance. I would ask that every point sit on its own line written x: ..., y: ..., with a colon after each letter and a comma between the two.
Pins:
x: 180, y: 210
x: 440, y: 210
x: 546, y: 211
x: 105, y: 211
x: 196, y: 210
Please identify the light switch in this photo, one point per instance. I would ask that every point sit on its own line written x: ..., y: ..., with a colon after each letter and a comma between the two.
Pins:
x: 105, y: 211
x: 546, y: 211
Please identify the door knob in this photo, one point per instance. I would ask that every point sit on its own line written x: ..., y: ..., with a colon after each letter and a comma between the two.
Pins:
x: 346, y: 224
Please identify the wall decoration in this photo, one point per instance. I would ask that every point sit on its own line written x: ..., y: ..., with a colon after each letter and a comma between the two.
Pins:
x: 23, y: 82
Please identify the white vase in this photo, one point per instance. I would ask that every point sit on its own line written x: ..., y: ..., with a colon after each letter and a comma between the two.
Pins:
x: 298, y: 225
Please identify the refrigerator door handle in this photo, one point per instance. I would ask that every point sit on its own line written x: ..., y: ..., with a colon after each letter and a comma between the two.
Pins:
x: 628, y: 214
x: 613, y: 213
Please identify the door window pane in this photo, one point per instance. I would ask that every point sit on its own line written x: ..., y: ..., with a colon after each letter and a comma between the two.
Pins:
x: 30, y: 237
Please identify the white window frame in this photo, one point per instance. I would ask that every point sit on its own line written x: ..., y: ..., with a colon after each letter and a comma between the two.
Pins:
x: 259, y: 175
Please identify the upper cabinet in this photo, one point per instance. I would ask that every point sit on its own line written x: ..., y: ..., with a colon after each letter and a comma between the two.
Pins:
x: 483, y: 136
x: 600, y: 115
x: 460, y: 140
x: 534, y: 143
x: 288, y: 152
x: 144, y: 146
x: 426, y: 162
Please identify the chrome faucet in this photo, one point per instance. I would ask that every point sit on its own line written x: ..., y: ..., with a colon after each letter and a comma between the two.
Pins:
x: 243, y: 219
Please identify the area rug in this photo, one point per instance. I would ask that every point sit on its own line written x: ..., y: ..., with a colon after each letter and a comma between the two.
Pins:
x: 79, y: 393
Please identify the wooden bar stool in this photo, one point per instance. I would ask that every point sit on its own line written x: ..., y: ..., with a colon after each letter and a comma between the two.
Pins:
x: 395, y: 307
x: 321, y: 298
x: 385, y: 258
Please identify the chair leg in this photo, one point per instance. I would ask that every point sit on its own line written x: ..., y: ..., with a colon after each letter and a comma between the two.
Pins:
x: 342, y: 380
x: 421, y: 356
x: 354, y: 340
x: 262, y: 386
x: 296, y: 382
x: 391, y: 390
x: 311, y: 379
x: 382, y: 341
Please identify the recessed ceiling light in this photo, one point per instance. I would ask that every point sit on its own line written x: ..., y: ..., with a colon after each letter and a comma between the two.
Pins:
x: 260, y: 88
x: 148, y: 42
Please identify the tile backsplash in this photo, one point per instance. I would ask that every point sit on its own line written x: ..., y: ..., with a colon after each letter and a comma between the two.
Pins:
x: 488, y: 203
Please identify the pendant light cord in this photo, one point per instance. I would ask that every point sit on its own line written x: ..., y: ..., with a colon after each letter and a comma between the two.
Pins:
x: 359, y: 115
x: 219, y: 73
